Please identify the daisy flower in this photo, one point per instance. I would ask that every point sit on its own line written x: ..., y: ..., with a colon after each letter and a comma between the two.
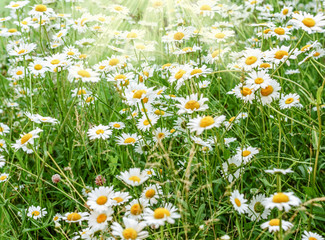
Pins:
x: 75, y: 217
x: 144, y: 123
x: 4, y: 177
x: 99, y: 199
x: 86, y: 190
x: 199, y: 124
x: 119, y: 198
x: 191, y: 104
x: 281, y: 33
x: 127, y: 139
x: 99, y: 132
x: 258, y: 79
x: 256, y: 210
x: 83, y: 74
x: 243, y: 92
x: 270, y: 93
x: 152, y: 193
x: 36, y: 212
x: 14, y: 5
x: 252, y: 58
x: 231, y: 169
x: 136, y: 208
x: 239, y: 202
x: 3, y: 146
x: 4, y: 129
x: 22, y: 49
x: 117, y: 125
x: 280, y: 54
x: 119, y: 9
x: 205, y: 8
x: 159, y: 216
x: 311, y: 236
x: 246, y: 154
x: 281, y: 201
x: 274, y: 225
x: 290, y: 100
x: 132, y: 230
x: 41, y: 10
x: 99, y: 220
x: 38, y: 67
x: 309, y: 22
x: 160, y: 134
x: 27, y: 139
x: 133, y: 177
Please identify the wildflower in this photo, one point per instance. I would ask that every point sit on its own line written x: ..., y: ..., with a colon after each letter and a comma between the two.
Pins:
x: 231, y: 169
x: 117, y: 125
x: 100, y: 180
x: 246, y: 154
x: 27, y: 139
x: 311, y: 236
x: 133, y: 177
x: 199, y: 124
x: 4, y: 129
x: 136, y: 208
x: 75, y: 217
x: 239, y: 202
x: 282, y: 171
x: 56, y: 178
x: 159, y: 216
x: 132, y: 230
x: 309, y: 22
x: 290, y: 100
x: 36, y: 212
x: 4, y: 177
x: 191, y: 104
x: 270, y: 93
x: 274, y: 225
x: 256, y: 210
x: 99, y: 132
x: 152, y: 193
x: 282, y: 201
x: 119, y: 198
x: 98, y: 220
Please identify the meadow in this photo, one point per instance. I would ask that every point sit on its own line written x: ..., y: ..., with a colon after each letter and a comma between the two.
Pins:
x: 162, y: 119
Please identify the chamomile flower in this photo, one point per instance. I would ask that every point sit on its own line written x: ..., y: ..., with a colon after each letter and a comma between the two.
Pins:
x: 38, y: 67
x: 127, y: 139
x: 4, y: 177
x: 133, y: 177
x: 239, y: 202
x: 280, y: 54
x: 4, y: 129
x: 22, y: 49
x: 83, y: 74
x: 75, y: 217
x: 311, y: 236
x: 119, y: 9
x: 258, y: 79
x: 99, y: 199
x: 252, y: 58
x: 290, y: 100
x: 246, y: 154
x: 256, y: 210
x: 136, y: 208
x: 191, y: 104
x: 270, y: 92
x: 98, y: 220
x: 145, y: 123
x: 281, y: 33
x: 36, y: 212
x: 117, y: 125
x: 57, y: 62
x: 274, y: 225
x: 3, y: 146
x: 199, y: 124
x: 160, y: 134
x: 41, y: 10
x: 26, y: 139
x: 119, y: 198
x: 159, y: 216
x: 282, y: 201
x: 71, y: 52
x: 309, y: 22
x: 133, y: 229
x: 244, y: 92
x: 99, y: 132
x: 14, y: 5
x: 152, y: 193
x: 205, y: 8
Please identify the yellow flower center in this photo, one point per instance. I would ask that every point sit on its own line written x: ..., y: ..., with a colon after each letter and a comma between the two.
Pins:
x: 38, y: 67
x: 187, y: 49
x: 309, y: 22
x: 19, y: 72
x: 246, y: 153
x: 99, y: 131
x: 120, y: 76
x: 116, y: 125
x: 131, y: 35
x: 81, y: 92
x: 196, y: 71
x: 160, y: 213
x: 205, y: 7
x: 288, y: 100
x: 279, y: 31
x: 101, y: 218
x: 280, y: 54
x: 130, y: 233
x: 304, y: 48
x: 89, y: 99
x: 73, y: 217
x: 15, y: 5
x: 159, y: 112
x: 12, y: 30
x: 246, y: 91
x: 41, y: 8
x: 113, y: 62
x: 312, y: 238
x: 129, y: 140
x: 55, y: 218
x: 220, y: 35
x: 22, y: 51
x: 1, y: 144
x: 206, y: 121
x: 150, y: 193
x: 136, y: 209
x: 4, y: 177
x: 83, y: 73
x: 161, y: 135
x: 138, y: 93
x: 250, y: 60
x: 267, y: 91
x: 280, y: 198
x: 259, y: 80
x: 178, y: 36
x: 25, y: 138
x: 266, y: 31
x: 265, y: 65
x: 82, y: 56
x: 118, y: 8
x: 135, y: 179
x: 215, y: 53
x: 101, y: 200
x: 35, y: 213
x: 70, y: 53
x: 192, y: 105
x: 166, y: 65
x: 274, y: 222
x: 285, y: 11
x: 118, y: 199
x: 179, y: 74
x: 146, y: 122
x: 55, y: 61
x: 237, y: 201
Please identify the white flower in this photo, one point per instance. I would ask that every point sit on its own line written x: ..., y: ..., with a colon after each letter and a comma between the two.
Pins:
x: 99, y: 220
x: 277, y: 170
x: 290, y: 100
x: 191, y: 104
x: 311, y: 236
x: 199, y: 124
x: 309, y: 22
x: 133, y: 177
x: 152, y: 193
x: 27, y: 139
x: 75, y: 217
x: 231, y: 169
x: 133, y: 229
x: 256, y: 210
x: 99, y: 199
x: 245, y: 154
x: 270, y: 93
x: 127, y: 139
x: 258, y: 79
x: 274, y: 225
x: 239, y: 202
x: 4, y: 177
x: 159, y: 216
x: 83, y: 74
x: 36, y: 212
x: 99, y: 132
x: 119, y: 198
x: 4, y: 129
x: 136, y: 208
x: 282, y: 201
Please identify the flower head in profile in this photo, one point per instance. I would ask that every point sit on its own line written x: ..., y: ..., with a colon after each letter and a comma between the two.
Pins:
x: 133, y: 177
x: 27, y: 139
